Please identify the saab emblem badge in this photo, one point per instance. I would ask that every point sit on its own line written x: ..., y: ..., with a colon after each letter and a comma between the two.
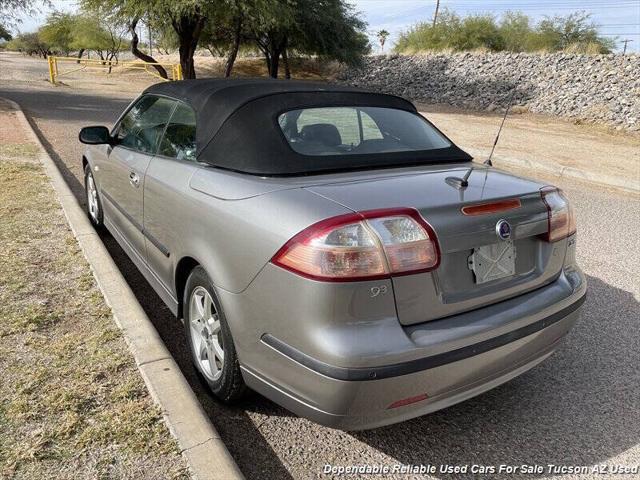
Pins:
x: 503, y: 230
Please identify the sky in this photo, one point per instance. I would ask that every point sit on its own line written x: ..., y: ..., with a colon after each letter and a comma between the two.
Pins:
x: 614, y: 17
x: 619, y: 18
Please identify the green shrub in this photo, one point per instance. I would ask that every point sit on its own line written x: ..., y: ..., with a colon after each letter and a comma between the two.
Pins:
x: 515, y: 32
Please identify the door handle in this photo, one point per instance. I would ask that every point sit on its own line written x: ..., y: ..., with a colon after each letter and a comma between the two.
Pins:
x: 134, y: 179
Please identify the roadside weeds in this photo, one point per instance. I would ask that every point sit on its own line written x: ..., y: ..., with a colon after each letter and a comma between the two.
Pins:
x: 72, y: 403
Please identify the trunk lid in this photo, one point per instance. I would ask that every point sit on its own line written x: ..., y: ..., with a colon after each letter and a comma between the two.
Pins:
x: 454, y: 286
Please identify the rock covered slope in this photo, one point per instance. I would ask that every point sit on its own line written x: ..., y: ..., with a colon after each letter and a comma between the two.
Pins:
x: 591, y: 88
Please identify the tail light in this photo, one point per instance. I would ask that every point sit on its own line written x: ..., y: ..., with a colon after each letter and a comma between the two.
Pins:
x: 362, y: 246
x: 562, y: 220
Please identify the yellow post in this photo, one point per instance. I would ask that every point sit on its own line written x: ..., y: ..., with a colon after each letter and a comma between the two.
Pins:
x: 179, y: 68
x: 52, y: 77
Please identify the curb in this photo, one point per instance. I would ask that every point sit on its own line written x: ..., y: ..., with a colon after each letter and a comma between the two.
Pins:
x: 199, y: 442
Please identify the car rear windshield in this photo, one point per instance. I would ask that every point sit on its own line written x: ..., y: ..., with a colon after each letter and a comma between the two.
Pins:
x: 322, y: 131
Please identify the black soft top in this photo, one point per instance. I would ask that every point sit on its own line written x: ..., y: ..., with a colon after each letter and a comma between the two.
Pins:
x: 237, y: 124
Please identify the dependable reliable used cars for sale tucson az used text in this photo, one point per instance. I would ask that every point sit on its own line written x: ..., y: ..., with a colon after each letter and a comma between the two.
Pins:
x: 321, y: 247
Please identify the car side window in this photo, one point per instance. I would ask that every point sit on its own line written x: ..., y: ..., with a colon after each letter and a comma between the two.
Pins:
x: 179, y: 140
x: 143, y: 124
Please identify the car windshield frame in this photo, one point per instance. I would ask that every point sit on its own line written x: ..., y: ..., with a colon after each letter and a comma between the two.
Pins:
x: 373, y: 113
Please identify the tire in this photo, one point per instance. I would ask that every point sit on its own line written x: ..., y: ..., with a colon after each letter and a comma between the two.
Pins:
x: 94, y: 207
x: 223, y: 377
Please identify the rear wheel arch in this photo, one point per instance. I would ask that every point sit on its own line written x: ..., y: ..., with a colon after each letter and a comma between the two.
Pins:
x: 209, y: 337
x: 184, y: 267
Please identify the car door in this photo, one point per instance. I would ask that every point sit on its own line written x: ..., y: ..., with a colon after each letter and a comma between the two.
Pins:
x: 123, y: 172
x: 168, y: 210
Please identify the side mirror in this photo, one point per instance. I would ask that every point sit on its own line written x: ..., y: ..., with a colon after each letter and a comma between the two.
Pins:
x: 95, y: 136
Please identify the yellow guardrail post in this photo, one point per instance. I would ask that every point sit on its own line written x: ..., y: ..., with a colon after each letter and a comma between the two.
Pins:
x: 52, y: 77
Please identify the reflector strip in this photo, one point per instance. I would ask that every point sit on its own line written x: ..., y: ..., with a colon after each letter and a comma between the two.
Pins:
x: 493, y: 207
x: 408, y: 401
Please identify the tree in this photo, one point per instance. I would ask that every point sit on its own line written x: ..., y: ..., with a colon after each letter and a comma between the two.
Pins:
x: 29, y: 43
x: 188, y: 24
x: 249, y: 22
x: 5, y: 34
x: 57, y: 31
x: 186, y: 17
x: 382, y: 38
x: 239, y: 12
x: 515, y: 33
x: 425, y: 36
x: 225, y: 31
x: 103, y: 35
x: 477, y: 32
x: 515, y: 30
x: 131, y: 26
x: 12, y: 11
x: 330, y: 30
x: 327, y: 28
x: 573, y: 30
x: 324, y: 28
x: 165, y: 38
x: 271, y: 29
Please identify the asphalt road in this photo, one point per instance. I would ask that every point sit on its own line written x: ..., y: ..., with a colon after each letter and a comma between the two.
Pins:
x: 580, y: 407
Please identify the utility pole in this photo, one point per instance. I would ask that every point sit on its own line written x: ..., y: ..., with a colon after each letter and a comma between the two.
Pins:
x: 435, y: 14
x: 625, y: 41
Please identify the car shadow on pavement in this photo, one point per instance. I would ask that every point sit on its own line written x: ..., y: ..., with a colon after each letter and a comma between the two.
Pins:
x: 77, y: 188
x: 579, y: 407
x: 241, y: 435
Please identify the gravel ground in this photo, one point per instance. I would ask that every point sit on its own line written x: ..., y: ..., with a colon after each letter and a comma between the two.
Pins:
x: 580, y: 407
x: 601, y: 89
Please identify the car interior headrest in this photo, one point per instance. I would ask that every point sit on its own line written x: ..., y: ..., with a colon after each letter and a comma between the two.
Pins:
x: 324, y: 133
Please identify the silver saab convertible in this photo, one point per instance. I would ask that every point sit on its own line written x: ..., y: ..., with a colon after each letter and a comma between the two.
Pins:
x: 324, y: 250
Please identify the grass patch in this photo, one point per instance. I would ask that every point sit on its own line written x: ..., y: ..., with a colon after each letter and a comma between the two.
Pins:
x: 18, y: 150
x: 72, y: 402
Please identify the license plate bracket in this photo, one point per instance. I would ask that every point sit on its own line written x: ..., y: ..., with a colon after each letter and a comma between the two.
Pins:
x: 493, y: 262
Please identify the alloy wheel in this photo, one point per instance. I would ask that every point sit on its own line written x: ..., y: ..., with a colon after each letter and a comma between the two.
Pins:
x: 92, y: 199
x: 206, y: 335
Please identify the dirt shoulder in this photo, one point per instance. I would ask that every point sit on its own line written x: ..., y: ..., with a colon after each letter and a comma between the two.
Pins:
x: 16, y: 67
x: 543, y: 141
x: 72, y: 403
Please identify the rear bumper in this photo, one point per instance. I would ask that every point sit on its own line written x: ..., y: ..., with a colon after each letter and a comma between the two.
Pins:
x: 424, y: 363
x: 453, y: 359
